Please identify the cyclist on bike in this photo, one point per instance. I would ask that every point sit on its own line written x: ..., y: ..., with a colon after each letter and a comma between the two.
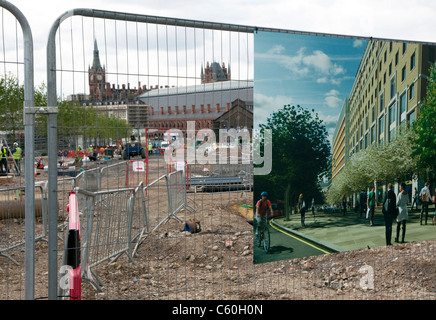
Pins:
x: 262, y: 207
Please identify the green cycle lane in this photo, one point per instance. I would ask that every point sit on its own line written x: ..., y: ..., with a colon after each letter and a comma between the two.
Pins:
x: 334, y: 232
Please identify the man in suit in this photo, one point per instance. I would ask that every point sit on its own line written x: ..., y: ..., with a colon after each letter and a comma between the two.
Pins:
x: 390, y: 212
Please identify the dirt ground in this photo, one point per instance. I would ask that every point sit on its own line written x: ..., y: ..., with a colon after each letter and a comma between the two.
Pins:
x: 217, y: 263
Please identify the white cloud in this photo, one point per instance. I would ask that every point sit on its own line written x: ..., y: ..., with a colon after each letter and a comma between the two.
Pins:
x: 357, y: 43
x: 321, y: 62
x: 277, y: 49
x: 332, y: 99
x: 300, y: 64
x: 265, y: 105
x: 332, y: 92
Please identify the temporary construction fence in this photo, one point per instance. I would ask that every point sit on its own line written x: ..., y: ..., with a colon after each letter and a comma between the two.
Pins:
x: 107, y: 228
x: 115, y: 222
x: 168, y: 55
x: 177, y: 196
x: 137, y: 171
x: 220, y: 177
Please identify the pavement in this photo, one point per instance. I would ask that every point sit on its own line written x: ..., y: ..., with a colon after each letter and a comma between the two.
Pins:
x: 336, y: 232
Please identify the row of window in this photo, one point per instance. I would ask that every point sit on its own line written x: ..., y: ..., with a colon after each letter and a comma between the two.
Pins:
x: 371, y: 137
x: 393, y: 79
x: 392, y: 109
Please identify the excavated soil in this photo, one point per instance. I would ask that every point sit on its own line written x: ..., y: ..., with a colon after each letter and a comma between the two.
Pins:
x: 217, y: 262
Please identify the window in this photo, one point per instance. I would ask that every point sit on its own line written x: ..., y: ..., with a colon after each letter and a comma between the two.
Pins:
x: 404, y: 47
x: 396, y: 58
x: 411, y: 117
x: 382, y: 101
x: 403, y: 103
x: 372, y: 134
x: 384, y: 78
x: 392, y: 111
x: 411, y: 91
x: 367, y: 122
x: 412, y: 61
x: 393, y: 87
x: 385, y: 56
x: 390, y: 68
x: 372, y: 114
x: 381, y: 129
x: 392, y: 134
x: 403, y: 73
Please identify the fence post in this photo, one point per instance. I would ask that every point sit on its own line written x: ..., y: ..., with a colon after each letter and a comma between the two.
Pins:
x: 29, y: 121
x: 52, y: 159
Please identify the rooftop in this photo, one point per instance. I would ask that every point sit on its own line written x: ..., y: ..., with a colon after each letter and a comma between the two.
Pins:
x: 199, y: 88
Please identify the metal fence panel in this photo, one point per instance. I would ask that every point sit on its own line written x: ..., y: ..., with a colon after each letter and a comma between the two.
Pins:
x: 17, y: 75
x: 144, y: 223
x: 107, y: 229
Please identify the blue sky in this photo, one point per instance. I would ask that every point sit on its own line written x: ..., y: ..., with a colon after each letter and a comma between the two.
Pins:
x: 315, y: 72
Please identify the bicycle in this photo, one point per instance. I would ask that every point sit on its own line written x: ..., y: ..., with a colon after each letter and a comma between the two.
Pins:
x: 262, y: 236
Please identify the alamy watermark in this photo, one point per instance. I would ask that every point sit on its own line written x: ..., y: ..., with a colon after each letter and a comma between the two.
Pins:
x: 232, y: 146
x: 367, y: 280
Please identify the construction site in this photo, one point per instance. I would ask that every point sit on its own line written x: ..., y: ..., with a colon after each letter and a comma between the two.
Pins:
x: 124, y: 221
x: 134, y: 226
x: 155, y: 252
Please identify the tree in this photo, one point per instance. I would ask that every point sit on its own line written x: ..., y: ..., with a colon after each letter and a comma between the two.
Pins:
x: 378, y: 164
x: 11, y: 104
x: 75, y: 120
x: 300, y: 153
x: 424, y: 149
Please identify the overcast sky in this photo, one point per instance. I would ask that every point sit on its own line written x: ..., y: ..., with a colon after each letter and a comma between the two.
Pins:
x: 396, y: 19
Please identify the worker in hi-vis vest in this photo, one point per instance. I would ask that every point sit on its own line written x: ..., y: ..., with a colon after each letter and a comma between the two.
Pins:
x: 17, y: 154
x: 4, y: 159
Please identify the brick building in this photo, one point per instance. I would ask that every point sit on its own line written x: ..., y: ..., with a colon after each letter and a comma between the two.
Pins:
x: 103, y: 92
x: 203, y: 103
x: 214, y: 73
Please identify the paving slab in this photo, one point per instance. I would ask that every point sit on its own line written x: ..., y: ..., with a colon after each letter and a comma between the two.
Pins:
x: 351, y: 232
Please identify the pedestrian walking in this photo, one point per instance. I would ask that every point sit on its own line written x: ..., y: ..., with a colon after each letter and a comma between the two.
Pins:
x: 402, y: 200
x: 389, y: 212
x: 371, y: 205
x: 344, y: 204
x: 301, y: 208
x: 363, y: 198
x: 425, y: 197
x: 313, y: 207
x: 415, y: 199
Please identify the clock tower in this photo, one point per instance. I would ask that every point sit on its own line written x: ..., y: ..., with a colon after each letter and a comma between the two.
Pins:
x: 97, y: 77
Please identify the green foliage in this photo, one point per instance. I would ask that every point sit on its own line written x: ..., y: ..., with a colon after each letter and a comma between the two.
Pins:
x: 11, y: 103
x: 300, y: 153
x: 424, y: 150
x: 73, y: 119
x: 378, y: 164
